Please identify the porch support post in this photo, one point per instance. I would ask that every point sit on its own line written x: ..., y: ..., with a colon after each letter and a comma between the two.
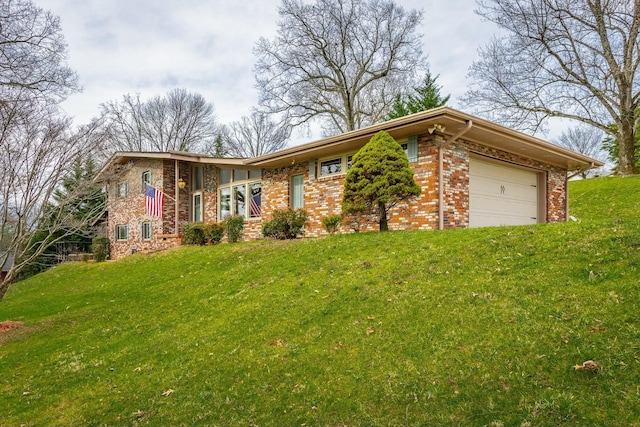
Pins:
x: 177, y: 197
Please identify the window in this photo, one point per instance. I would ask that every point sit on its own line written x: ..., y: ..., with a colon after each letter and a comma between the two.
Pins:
x: 225, y: 202
x: 297, y: 191
x: 145, y: 230
x: 145, y: 180
x: 240, y: 175
x: 123, y: 189
x: 329, y: 167
x: 240, y: 193
x: 255, y: 202
x: 405, y: 148
x: 197, y: 182
x: 335, y: 165
x: 196, y: 201
x: 122, y: 232
x: 225, y: 176
x: 239, y: 205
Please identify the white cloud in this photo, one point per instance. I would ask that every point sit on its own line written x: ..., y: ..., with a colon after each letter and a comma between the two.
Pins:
x: 150, y: 47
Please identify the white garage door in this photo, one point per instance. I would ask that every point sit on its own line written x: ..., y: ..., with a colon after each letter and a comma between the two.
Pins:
x: 501, y: 195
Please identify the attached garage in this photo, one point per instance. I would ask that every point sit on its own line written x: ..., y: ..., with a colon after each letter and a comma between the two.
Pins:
x: 503, y: 194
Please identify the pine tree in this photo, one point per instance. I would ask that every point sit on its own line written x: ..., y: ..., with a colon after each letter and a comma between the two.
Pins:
x: 423, y: 98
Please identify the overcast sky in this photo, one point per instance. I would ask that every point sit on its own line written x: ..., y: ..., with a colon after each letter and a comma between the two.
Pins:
x: 205, y: 46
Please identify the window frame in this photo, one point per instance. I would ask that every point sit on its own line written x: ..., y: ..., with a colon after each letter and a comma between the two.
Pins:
x: 248, y: 183
x: 200, y: 211
x: 293, y: 198
x: 124, y: 227
x: 144, y: 180
x: 122, y: 185
x: 344, y: 164
x: 197, y: 178
x: 146, y: 226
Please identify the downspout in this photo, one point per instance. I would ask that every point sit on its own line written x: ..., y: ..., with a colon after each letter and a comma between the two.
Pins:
x: 441, y: 174
x: 177, y: 200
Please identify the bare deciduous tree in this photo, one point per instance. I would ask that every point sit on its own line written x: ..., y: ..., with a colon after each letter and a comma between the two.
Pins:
x: 181, y: 120
x: 37, y: 150
x: 37, y: 146
x: 570, y: 58
x: 256, y: 135
x: 585, y: 140
x: 33, y: 54
x: 341, y: 61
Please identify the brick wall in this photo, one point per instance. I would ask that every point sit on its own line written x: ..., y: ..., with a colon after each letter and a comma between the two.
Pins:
x: 322, y: 195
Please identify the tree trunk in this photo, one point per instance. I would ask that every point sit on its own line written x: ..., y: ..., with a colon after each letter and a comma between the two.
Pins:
x: 382, y: 213
x: 4, y: 286
x: 626, y: 141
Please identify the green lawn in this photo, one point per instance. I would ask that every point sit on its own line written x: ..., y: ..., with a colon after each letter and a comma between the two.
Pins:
x: 462, y: 327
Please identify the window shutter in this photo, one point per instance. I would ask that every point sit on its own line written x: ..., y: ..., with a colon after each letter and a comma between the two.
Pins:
x: 412, y: 148
x: 312, y: 169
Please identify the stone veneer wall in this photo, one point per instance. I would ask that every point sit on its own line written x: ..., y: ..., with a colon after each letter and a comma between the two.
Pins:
x: 130, y: 210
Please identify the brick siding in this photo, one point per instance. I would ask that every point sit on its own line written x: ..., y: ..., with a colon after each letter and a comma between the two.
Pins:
x: 322, y: 195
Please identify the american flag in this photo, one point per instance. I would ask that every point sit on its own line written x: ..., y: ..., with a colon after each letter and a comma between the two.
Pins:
x: 254, y: 205
x: 153, y: 200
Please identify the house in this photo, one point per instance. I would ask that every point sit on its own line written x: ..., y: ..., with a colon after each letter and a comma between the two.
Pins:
x: 473, y: 173
x: 6, y: 262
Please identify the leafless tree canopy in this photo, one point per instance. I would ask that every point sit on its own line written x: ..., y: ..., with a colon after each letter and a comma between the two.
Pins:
x: 37, y: 149
x: 585, y: 140
x: 181, y: 120
x: 569, y: 58
x: 37, y: 145
x: 341, y: 61
x: 33, y: 54
x: 256, y: 135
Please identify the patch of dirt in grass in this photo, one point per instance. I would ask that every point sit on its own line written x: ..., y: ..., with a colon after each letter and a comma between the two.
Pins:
x: 8, y: 325
x: 6, y: 328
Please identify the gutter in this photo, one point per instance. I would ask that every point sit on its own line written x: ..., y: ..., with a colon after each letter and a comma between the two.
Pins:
x: 441, y: 174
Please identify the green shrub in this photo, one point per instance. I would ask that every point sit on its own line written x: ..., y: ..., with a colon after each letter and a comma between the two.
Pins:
x: 214, y: 232
x: 285, y: 224
x: 331, y: 223
x: 194, y: 233
x: 100, y: 248
x: 233, y: 226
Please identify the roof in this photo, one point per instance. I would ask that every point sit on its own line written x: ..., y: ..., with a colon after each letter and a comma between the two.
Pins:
x: 122, y: 157
x: 449, y: 123
x: 8, y: 262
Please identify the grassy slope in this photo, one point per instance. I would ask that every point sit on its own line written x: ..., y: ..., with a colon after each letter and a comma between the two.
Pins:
x: 464, y: 327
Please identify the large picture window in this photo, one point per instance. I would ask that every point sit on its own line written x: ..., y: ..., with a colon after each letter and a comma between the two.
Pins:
x: 240, y: 193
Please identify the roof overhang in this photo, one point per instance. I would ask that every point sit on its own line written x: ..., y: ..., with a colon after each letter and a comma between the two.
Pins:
x: 447, y: 121
x: 450, y: 123
x: 122, y: 157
